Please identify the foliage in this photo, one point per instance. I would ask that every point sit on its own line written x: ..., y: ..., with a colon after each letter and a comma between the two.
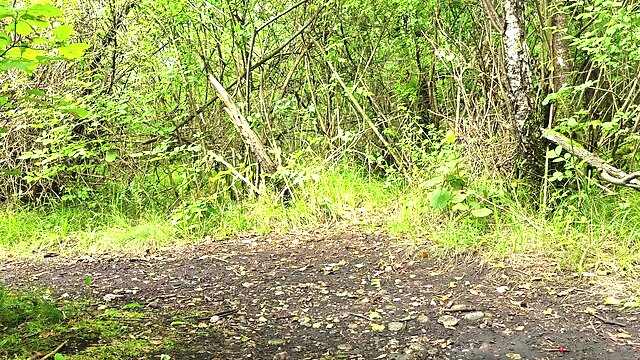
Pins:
x: 113, y: 137
x: 32, y: 323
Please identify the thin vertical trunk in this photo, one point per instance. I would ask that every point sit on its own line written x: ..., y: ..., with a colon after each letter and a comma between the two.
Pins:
x: 519, y: 80
x: 562, y: 64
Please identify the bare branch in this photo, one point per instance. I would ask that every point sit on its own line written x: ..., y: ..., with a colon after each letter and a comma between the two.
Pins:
x: 607, y: 171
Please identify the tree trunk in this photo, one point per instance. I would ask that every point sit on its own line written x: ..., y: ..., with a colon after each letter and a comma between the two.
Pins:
x: 525, y: 128
x: 560, y: 47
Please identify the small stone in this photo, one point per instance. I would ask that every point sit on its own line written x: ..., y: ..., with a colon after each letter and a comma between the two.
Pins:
x: 276, y: 342
x: 281, y: 356
x: 474, y: 316
x: 416, y: 348
x: 345, y: 347
x: 448, y: 321
x: 395, y: 326
x: 423, y: 319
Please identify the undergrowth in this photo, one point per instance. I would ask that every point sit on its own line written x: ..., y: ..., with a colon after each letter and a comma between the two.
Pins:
x: 34, y: 326
x: 587, y: 233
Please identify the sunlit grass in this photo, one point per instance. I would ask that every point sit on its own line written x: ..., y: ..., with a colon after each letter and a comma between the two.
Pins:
x: 589, y: 232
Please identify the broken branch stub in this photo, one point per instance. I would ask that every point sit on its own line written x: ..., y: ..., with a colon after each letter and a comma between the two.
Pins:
x: 607, y: 171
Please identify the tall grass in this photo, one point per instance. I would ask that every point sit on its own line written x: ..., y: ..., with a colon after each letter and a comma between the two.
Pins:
x: 584, y: 232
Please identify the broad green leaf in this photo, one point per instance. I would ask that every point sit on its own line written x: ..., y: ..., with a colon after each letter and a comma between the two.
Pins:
x: 433, y: 182
x: 460, y: 197
x: 33, y: 54
x: 58, y: 356
x: 22, y: 28
x: 14, y: 53
x: 4, y: 40
x: 73, y: 51
x: 550, y: 98
x: 76, y: 112
x: 38, y: 23
x: 44, y: 10
x: 111, y: 156
x: 36, y: 92
x: 12, y: 172
x: 63, y: 32
x: 480, y: 213
x: 40, y: 41
x: 450, y: 137
x: 20, y: 64
x: 440, y: 199
x: 460, y: 207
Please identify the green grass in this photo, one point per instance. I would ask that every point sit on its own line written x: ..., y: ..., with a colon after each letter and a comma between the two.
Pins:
x: 581, y: 232
x: 31, y: 326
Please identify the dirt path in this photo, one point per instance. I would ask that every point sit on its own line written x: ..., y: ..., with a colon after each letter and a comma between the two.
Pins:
x: 347, y: 296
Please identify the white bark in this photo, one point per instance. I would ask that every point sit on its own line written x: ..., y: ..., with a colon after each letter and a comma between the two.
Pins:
x: 517, y: 62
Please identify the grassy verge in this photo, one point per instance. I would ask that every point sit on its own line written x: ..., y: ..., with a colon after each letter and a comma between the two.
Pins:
x: 589, y: 233
x: 32, y: 326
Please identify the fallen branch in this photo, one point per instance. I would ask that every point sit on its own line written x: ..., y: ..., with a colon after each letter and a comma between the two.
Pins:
x: 607, y: 171
x: 54, y: 352
x: 606, y: 321
x: 249, y: 137
x: 465, y: 309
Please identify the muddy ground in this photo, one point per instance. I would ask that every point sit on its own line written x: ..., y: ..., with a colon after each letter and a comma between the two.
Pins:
x: 349, y: 295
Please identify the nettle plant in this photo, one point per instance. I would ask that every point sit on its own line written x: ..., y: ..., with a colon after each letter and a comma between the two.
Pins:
x: 34, y: 35
x: 36, y: 126
x: 449, y: 188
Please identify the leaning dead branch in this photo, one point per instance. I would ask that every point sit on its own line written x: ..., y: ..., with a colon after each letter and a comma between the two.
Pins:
x: 607, y: 171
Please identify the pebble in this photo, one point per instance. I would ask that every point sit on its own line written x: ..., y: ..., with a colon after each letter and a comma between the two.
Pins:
x: 474, y: 316
x: 395, y: 326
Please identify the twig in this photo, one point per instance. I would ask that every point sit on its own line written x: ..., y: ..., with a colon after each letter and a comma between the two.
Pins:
x: 220, y: 259
x: 54, y: 351
x: 460, y: 310
x: 360, y: 316
x: 606, y: 321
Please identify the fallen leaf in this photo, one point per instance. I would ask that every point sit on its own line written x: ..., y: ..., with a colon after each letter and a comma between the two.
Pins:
x: 513, y: 356
x: 590, y: 310
x: 566, y: 292
x: 377, y: 327
x: 526, y: 286
x: 374, y: 315
x: 502, y: 289
x: 610, y: 300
